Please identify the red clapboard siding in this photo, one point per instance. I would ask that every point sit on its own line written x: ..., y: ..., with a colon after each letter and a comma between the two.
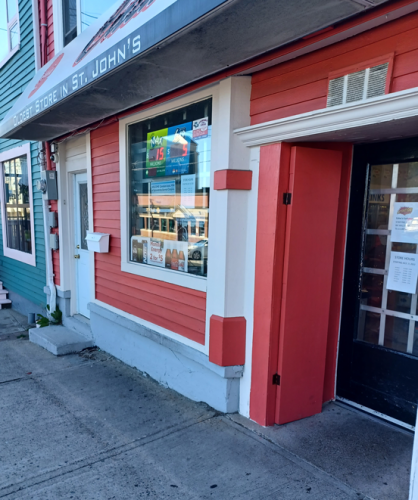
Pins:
x: 300, y: 85
x: 175, y: 308
x: 50, y: 30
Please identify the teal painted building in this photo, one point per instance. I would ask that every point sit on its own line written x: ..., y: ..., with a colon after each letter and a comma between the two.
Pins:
x: 22, y: 244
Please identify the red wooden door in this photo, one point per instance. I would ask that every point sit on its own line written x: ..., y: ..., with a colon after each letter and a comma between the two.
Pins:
x: 314, y: 183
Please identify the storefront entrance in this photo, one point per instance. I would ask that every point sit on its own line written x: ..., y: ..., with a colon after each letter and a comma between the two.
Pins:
x: 378, y: 354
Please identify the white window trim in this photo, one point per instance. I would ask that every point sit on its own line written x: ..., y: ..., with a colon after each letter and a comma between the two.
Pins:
x: 26, y: 258
x: 14, y: 20
x: 157, y: 273
x: 58, y: 26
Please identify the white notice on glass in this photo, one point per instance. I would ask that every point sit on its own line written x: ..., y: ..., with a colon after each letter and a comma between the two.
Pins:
x: 403, y: 272
x: 188, y: 189
x: 405, y: 223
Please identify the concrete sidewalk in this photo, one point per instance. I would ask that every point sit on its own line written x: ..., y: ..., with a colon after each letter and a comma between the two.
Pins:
x: 89, y: 427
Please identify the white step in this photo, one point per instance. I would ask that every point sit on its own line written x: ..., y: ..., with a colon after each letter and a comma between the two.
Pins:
x: 4, y: 293
x: 4, y: 302
x: 59, y: 340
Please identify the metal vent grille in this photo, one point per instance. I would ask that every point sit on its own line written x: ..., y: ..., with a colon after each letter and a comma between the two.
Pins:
x: 358, y: 86
x: 335, y: 92
x: 355, y: 86
x: 377, y: 80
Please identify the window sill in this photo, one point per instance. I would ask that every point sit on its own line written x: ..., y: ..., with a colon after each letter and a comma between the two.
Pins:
x: 26, y: 258
x: 9, y: 55
x: 198, y: 283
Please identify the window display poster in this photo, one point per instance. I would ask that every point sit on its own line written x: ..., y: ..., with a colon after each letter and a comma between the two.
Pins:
x: 178, y: 149
x: 188, y: 189
x: 163, y: 188
x: 170, y: 254
x: 168, y: 151
x: 403, y: 272
x: 156, y: 153
x: 405, y: 222
x: 201, y: 128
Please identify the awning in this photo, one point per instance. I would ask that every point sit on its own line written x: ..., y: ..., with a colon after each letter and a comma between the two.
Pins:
x: 141, y: 49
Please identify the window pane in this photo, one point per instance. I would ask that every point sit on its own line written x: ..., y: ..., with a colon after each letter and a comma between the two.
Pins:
x: 396, y: 333
x: 368, y: 328
x: 84, y: 215
x: 408, y: 175
x: 14, y: 36
x: 375, y: 251
x: 16, y: 199
x: 11, y: 9
x: 378, y: 211
x: 169, y: 181
x: 92, y: 9
x: 69, y: 20
x: 371, y: 289
x: 4, y: 45
x: 381, y: 176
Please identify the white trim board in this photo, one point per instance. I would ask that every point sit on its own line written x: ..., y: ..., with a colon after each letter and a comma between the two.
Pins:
x: 26, y: 258
x: 390, y: 117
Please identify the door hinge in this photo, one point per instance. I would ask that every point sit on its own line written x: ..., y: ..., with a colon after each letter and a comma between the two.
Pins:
x: 276, y: 379
x: 287, y: 198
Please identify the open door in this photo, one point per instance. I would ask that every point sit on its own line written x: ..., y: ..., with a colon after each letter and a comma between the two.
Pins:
x: 314, y: 186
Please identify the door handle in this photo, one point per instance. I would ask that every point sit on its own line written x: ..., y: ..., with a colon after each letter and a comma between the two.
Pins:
x: 76, y: 256
x: 78, y: 246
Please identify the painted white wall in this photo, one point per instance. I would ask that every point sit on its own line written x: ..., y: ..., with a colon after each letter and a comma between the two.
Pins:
x: 228, y: 210
x: 249, y: 286
x: 72, y: 159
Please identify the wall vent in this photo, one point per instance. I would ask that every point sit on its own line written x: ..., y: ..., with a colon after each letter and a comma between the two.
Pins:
x: 358, y: 86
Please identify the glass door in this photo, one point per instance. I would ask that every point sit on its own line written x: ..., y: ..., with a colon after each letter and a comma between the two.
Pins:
x: 378, y: 350
x: 387, y: 317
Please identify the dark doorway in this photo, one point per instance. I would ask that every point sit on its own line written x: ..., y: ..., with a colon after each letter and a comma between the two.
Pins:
x: 378, y: 353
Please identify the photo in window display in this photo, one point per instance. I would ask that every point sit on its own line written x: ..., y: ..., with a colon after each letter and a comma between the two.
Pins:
x: 170, y: 185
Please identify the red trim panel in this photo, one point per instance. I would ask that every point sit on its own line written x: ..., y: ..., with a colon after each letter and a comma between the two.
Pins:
x: 227, y: 341
x: 271, y: 223
x: 314, y: 181
x: 232, y: 179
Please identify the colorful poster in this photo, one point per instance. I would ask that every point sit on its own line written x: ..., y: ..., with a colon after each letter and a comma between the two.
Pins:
x: 405, y: 222
x: 168, y: 151
x: 201, y: 128
x: 403, y: 272
x: 178, y: 149
x: 188, y: 190
x: 156, y: 153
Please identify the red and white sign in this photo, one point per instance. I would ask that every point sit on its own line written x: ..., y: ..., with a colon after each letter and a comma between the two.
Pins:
x: 200, y: 128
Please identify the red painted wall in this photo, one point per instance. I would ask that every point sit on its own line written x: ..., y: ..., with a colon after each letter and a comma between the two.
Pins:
x: 50, y: 31
x: 178, y: 309
x: 301, y: 85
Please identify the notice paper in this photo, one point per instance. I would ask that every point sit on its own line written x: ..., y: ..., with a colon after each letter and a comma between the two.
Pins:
x: 405, y: 223
x: 403, y: 272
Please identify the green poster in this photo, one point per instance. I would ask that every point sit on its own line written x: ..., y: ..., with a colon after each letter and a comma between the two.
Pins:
x: 156, y: 153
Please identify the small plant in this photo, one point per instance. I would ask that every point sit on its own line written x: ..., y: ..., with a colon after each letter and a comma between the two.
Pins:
x: 42, y: 321
x: 56, y: 318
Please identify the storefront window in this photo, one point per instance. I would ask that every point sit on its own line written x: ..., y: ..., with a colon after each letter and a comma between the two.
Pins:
x: 169, y: 180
